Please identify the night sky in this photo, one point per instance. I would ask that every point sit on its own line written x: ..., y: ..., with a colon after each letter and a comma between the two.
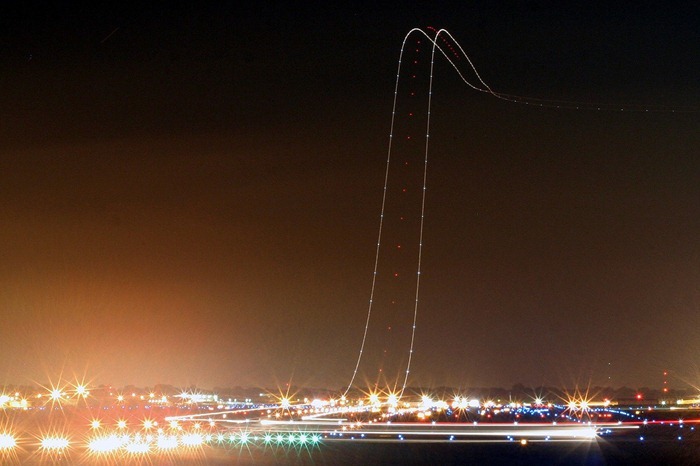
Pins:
x: 191, y: 195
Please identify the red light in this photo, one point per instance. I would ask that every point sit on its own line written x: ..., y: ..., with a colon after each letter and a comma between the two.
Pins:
x: 639, y: 396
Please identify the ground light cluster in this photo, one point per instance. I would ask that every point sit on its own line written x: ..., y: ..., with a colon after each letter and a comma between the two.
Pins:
x: 78, y: 429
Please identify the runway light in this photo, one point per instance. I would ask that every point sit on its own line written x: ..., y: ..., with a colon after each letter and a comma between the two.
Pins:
x: 166, y: 442
x: 104, y: 444
x: 81, y: 390
x: 192, y: 440
x: 7, y: 442
x: 54, y: 443
x: 137, y: 448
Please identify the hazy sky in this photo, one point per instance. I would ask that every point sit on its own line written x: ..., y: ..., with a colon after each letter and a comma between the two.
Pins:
x: 191, y: 196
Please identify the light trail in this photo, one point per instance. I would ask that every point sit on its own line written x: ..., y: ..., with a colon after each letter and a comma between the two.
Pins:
x: 483, y: 87
x: 536, y: 101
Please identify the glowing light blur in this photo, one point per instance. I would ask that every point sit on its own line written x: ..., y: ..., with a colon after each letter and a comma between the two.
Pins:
x: 55, y: 394
x: 104, y: 444
x: 54, y: 443
x: 7, y: 442
x: 138, y: 447
x: 392, y: 400
x: 192, y: 440
x: 166, y: 442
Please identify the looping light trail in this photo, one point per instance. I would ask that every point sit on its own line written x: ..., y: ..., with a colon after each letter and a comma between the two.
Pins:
x: 453, y: 55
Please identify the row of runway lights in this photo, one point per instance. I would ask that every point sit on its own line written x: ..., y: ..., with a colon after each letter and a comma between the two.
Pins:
x: 163, y: 442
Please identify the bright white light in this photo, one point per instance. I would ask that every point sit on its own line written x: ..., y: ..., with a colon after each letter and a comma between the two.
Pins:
x: 440, y: 404
x: 54, y: 443
x: 137, y: 447
x: 166, y: 442
x: 7, y: 442
x: 192, y: 440
x: 104, y: 444
x: 285, y: 403
x: 318, y: 403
